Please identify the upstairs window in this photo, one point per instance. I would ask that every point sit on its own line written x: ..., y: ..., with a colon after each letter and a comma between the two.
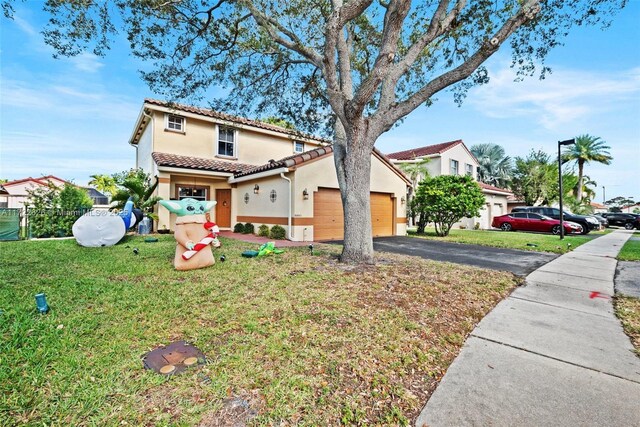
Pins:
x: 226, y: 142
x: 468, y: 169
x: 298, y: 147
x: 454, y: 167
x: 174, y: 123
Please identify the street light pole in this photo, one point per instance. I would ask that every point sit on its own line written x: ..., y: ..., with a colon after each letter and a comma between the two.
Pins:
x: 604, y: 197
x: 560, y: 144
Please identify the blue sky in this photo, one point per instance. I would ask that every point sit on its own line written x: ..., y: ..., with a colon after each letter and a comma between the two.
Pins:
x: 73, y: 117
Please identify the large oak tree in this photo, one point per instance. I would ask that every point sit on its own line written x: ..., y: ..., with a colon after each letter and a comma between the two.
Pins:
x: 351, y: 68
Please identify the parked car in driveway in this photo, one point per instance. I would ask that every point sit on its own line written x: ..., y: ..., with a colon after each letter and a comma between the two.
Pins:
x: 587, y: 222
x: 626, y: 220
x: 529, y: 221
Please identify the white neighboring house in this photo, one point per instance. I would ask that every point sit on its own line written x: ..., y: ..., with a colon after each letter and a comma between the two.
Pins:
x: 454, y: 158
x: 16, y: 193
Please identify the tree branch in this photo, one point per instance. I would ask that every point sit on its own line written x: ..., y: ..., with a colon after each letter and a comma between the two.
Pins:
x: 526, y: 13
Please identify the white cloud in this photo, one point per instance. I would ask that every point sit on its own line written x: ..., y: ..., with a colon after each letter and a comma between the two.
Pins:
x: 564, y: 97
x: 87, y: 62
x: 76, y: 99
x: 25, y: 26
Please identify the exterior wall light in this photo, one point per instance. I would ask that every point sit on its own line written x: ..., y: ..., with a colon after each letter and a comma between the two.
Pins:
x: 305, y: 194
x: 256, y: 189
x: 402, y: 200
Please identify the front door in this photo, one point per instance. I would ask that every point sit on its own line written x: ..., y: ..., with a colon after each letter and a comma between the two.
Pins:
x: 223, y: 208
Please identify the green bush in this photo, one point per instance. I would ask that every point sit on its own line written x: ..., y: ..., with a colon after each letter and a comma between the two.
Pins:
x: 52, y: 210
x: 263, y: 230
x: 277, y: 232
x: 249, y: 228
x: 238, y: 228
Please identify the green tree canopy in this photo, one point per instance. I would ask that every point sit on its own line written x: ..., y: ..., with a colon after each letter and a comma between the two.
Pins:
x: 137, y: 184
x: 535, y: 179
x: 495, y: 168
x: 445, y: 200
x: 353, y: 68
x: 586, y: 149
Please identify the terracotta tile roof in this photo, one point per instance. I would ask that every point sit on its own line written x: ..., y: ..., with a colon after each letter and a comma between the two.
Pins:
x: 298, y: 159
x: 423, y: 151
x: 237, y: 119
x: 188, y: 162
x: 492, y: 188
x: 598, y: 205
x: 290, y: 161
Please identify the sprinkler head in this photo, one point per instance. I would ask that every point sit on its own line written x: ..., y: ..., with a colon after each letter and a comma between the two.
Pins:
x: 311, y: 248
x: 136, y: 251
x: 223, y: 258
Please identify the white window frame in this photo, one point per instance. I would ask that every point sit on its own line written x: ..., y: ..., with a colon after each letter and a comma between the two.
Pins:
x: 453, y: 162
x: 168, y: 124
x: 295, y: 147
x: 468, y: 169
x: 234, y: 132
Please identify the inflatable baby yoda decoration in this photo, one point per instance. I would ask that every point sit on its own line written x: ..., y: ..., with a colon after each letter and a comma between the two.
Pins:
x: 194, y: 233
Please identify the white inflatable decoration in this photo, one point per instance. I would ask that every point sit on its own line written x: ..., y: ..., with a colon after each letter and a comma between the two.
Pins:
x: 96, y: 228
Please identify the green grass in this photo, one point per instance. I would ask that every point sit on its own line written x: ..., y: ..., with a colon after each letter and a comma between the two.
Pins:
x: 512, y: 239
x: 628, y: 311
x: 303, y: 339
x: 630, y: 251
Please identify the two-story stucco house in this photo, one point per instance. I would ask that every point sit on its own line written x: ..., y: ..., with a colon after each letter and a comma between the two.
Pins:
x: 257, y: 172
x: 454, y: 158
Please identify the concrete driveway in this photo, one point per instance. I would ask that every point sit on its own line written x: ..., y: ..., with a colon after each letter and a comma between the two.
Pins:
x: 518, y: 262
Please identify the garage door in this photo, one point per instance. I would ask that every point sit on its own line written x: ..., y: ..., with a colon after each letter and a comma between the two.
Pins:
x: 328, y: 215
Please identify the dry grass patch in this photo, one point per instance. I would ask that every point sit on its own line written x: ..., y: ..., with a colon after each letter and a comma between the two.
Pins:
x: 291, y: 339
x: 628, y: 311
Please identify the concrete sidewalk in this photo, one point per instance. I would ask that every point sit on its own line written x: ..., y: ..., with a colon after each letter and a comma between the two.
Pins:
x: 553, y: 353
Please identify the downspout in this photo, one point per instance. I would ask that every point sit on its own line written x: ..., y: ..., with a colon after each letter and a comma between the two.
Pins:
x: 289, y: 216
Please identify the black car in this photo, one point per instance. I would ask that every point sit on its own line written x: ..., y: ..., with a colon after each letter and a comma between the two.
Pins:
x: 588, y: 223
x: 626, y: 220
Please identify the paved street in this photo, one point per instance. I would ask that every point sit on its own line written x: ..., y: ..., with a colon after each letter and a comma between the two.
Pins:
x: 515, y: 261
x: 553, y: 353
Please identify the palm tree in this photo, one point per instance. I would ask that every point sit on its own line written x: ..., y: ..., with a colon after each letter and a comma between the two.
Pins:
x: 142, y: 193
x: 104, y: 183
x: 586, y: 149
x: 494, y: 167
x: 416, y: 171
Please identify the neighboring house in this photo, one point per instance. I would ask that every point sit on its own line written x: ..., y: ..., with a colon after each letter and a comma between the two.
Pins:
x: 257, y: 172
x: 454, y: 158
x: 16, y: 193
x: 631, y: 208
x: 598, y: 207
x: 17, y: 190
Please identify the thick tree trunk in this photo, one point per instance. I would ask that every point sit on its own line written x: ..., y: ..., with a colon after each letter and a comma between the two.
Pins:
x: 355, y: 182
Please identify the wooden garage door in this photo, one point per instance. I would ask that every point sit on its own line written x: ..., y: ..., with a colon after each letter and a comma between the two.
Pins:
x: 328, y: 216
x: 381, y: 214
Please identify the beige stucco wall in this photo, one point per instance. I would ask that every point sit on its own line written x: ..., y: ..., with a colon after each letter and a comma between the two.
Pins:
x: 144, y: 150
x: 260, y: 205
x: 463, y: 157
x: 200, y: 139
x: 321, y: 173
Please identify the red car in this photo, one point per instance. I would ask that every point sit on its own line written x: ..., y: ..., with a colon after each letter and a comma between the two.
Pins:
x: 528, y: 221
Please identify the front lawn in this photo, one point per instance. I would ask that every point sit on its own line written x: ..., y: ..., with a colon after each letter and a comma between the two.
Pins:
x: 291, y: 339
x: 512, y: 239
x: 630, y: 251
